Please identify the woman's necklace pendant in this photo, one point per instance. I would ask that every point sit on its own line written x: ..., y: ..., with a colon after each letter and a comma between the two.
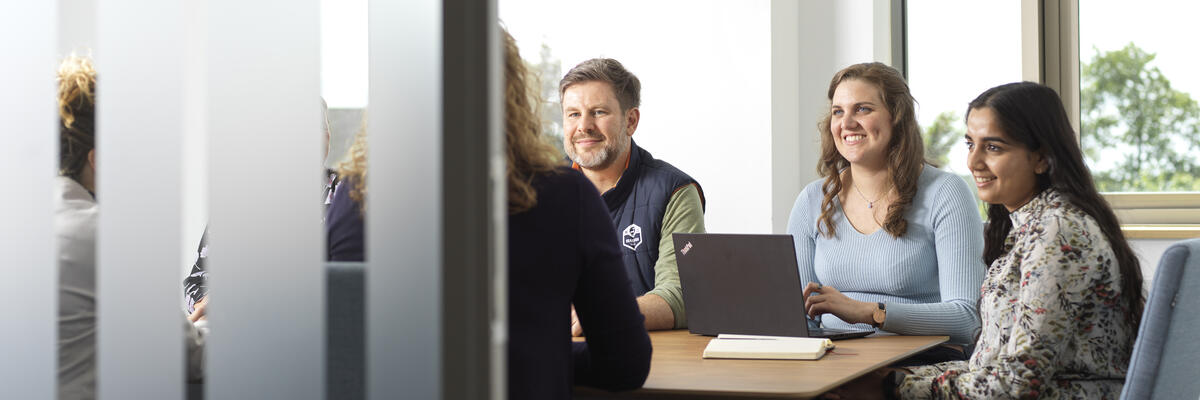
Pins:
x: 870, y: 204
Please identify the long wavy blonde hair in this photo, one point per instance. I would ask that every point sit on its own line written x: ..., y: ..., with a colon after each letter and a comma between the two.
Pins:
x: 906, y: 152
x: 528, y: 152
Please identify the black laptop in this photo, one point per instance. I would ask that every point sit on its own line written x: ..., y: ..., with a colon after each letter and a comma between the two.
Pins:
x: 745, y: 284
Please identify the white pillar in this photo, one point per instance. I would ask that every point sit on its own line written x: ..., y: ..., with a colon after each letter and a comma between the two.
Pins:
x: 404, y: 231
x: 266, y: 249
x: 29, y: 161
x: 139, y: 63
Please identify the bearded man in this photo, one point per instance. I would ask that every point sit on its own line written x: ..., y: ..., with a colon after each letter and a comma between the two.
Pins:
x: 648, y: 199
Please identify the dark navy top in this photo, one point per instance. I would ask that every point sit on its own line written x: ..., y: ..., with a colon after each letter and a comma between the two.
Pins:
x: 565, y: 251
x: 344, y: 237
x: 637, y: 206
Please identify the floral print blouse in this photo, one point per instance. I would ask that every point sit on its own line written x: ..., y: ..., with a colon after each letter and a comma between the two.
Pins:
x: 1053, y: 320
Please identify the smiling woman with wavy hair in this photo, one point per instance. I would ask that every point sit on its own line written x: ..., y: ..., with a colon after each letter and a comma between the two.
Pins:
x: 905, y: 152
x: 884, y: 240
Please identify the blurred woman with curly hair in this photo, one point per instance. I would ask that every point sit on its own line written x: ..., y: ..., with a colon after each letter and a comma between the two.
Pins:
x: 562, y: 250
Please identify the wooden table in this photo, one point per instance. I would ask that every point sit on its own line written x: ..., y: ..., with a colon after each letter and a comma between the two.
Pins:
x: 678, y: 371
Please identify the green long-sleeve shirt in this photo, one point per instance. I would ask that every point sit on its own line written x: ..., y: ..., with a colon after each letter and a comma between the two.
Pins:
x: 684, y: 214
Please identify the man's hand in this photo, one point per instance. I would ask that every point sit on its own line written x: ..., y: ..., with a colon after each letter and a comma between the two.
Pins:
x: 202, y: 305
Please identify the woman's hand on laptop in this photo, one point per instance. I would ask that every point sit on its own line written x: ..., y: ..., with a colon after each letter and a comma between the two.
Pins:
x: 823, y: 299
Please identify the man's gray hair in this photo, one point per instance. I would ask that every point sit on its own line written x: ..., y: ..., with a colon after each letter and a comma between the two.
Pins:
x: 624, y: 84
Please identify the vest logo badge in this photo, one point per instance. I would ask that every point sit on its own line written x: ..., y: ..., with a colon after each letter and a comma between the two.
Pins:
x: 631, y: 237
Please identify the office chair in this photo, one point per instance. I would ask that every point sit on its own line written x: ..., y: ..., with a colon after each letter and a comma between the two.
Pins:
x: 1163, y: 363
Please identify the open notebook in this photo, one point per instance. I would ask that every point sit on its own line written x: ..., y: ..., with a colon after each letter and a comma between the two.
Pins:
x: 767, y: 347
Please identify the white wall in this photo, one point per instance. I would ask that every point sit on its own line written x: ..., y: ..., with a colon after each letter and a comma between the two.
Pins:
x: 706, y: 106
x: 344, y: 53
x: 76, y: 26
x: 1149, y: 251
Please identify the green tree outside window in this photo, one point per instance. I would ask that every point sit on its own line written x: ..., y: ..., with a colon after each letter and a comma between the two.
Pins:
x: 1138, y: 133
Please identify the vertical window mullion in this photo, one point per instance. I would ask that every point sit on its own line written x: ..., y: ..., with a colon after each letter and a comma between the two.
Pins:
x: 404, y: 218
x: 29, y: 159
x: 140, y: 351
x: 265, y: 250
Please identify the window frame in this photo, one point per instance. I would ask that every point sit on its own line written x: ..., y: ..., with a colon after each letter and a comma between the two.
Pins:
x: 1050, y: 55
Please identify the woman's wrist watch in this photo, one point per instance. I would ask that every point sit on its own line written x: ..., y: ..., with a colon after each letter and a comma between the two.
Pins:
x: 879, y: 316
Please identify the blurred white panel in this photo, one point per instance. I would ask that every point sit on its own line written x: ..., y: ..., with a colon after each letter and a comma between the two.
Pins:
x: 344, y: 53
x: 140, y: 351
x: 28, y: 162
x: 265, y: 259
x: 195, y: 136
x: 404, y: 233
x: 76, y: 26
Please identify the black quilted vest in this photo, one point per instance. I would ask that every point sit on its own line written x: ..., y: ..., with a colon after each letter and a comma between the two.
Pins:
x: 637, y: 205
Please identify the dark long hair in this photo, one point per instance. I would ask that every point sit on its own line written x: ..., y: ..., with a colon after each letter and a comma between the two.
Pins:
x: 1033, y: 115
x: 906, y: 151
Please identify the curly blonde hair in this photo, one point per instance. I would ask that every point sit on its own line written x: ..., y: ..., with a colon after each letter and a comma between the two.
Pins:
x: 353, y: 170
x: 528, y: 152
x: 77, y: 114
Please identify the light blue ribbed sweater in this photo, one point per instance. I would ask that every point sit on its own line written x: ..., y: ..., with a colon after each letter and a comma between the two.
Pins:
x: 928, y: 279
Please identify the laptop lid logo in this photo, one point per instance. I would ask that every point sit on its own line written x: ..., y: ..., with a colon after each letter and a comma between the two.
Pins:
x: 631, y: 237
x: 686, y: 247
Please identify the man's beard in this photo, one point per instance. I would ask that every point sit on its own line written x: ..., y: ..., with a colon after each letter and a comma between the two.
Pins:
x: 598, y: 159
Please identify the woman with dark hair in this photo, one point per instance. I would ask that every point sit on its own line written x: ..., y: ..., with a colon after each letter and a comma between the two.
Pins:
x: 884, y: 239
x: 561, y: 250
x: 1062, y: 299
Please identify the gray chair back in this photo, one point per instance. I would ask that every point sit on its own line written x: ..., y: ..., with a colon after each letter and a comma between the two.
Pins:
x: 1164, y: 356
x: 345, y: 355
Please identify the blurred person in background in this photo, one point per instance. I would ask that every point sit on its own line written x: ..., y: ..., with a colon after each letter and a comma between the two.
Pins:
x: 75, y: 220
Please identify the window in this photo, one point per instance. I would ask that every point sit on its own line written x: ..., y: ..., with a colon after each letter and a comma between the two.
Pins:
x: 1139, y: 112
x: 1140, y: 120
x: 951, y: 60
x: 1124, y: 75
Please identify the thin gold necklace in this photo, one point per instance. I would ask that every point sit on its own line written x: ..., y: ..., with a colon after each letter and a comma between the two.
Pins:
x: 870, y: 203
